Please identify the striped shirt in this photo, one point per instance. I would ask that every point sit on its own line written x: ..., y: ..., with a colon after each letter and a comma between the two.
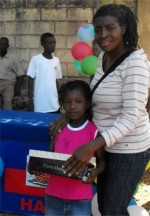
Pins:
x: 119, y: 104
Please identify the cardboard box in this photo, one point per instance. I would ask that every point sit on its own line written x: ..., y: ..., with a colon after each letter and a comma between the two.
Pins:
x: 51, y: 162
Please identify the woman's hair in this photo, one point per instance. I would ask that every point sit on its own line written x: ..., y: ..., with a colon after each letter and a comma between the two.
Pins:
x: 76, y: 85
x: 125, y: 17
x: 46, y: 35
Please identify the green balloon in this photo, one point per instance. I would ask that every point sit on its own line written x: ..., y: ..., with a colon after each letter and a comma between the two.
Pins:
x: 136, y: 190
x: 89, y: 65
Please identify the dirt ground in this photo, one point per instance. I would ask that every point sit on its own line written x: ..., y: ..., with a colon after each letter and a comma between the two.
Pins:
x: 142, y: 197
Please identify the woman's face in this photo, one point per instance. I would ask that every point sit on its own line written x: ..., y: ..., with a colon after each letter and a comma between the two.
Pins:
x: 108, y: 33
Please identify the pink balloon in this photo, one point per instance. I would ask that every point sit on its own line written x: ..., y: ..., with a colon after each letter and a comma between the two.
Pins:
x: 80, y: 50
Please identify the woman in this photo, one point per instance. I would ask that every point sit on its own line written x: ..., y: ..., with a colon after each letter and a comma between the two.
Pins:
x: 119, y: 111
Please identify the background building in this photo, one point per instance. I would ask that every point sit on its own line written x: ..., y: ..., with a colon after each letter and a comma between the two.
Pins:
x: 23, y: 21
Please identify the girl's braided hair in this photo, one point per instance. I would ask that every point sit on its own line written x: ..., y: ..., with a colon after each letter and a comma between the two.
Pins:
x: 77, y: 85
x: 125, y: 17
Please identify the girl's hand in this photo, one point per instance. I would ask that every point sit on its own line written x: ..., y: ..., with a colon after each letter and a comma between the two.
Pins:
x: 57, y: 125
x: 79, y: 160
x: 93, y: 173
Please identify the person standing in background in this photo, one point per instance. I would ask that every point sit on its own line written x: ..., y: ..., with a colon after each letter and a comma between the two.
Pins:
x: 11, y: 74
x: 43, y: 71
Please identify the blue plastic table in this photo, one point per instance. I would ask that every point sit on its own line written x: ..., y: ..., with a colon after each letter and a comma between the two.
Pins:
x: 19, y: 132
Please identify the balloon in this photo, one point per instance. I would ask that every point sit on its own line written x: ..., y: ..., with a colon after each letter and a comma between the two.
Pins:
x: 86, y: 33
x: 77, y: 65
x: 89, y: 65
x: 135, y: 210
x: 136, y: 190
x: 148, y: 166
x: 80, y: 50
x: 1, y: 166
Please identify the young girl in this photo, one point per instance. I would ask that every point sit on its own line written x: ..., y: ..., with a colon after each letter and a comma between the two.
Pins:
x: 64, y: 195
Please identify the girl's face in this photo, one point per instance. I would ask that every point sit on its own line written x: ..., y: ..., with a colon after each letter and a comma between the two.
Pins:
x: 75, y: 105
x: 109, y: 33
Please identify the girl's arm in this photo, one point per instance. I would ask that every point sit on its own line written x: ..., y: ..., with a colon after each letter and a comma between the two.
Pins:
x: 52, y: 145
x: 100, y: 161
x: 100, y: 166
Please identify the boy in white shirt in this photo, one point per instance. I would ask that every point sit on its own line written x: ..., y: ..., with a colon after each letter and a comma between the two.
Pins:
x: 43, y: 71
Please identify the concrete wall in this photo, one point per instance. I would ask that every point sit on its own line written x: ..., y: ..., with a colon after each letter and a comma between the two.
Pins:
x: 23, y: 21
x: 144, y: 25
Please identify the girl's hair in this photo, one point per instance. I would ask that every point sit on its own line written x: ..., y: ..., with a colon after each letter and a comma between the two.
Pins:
x: 46, y: 35
x: 125, y: 17
x: 77, y: 85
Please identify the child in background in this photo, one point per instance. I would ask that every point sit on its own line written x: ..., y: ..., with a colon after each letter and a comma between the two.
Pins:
x: 44, y: 70
x: 64, y: 195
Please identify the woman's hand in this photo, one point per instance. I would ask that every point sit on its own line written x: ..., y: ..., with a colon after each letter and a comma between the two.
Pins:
x: 81, y: 157
x: 57, y: 125
x: 79, y: 160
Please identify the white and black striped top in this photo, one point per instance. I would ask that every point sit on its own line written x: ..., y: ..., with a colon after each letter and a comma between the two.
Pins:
x: 119, y: 104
